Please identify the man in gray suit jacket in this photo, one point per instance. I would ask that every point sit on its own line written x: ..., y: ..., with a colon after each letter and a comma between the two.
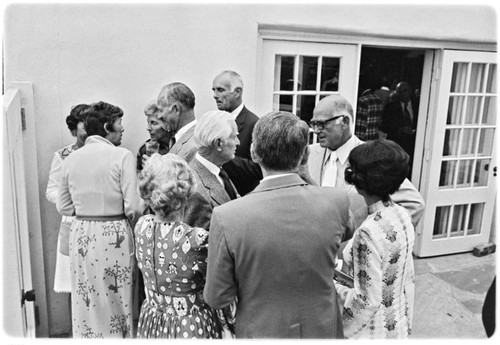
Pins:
x: 177, y: 103
x: 216, y: 139
x: 275, y: 248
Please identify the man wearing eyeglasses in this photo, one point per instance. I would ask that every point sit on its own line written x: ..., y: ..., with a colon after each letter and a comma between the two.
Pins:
x: 332, y: 122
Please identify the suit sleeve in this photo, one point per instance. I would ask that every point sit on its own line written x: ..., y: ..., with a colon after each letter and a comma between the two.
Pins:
x: 409, y: 197
x: 220, y: 288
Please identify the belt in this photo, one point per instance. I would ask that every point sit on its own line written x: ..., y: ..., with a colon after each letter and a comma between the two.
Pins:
x: 102, y: 218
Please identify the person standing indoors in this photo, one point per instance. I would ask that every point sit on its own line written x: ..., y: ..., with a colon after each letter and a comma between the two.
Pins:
x: 400, y: 118
x: 160, y: 135
x: 172, y: 256
x: 379, y: 256
x: 275, y: 248
x: 332, y: 123
x: 177, y: 101
x: 98, y: 186
x: 74, y: 121
x: 228, y: 94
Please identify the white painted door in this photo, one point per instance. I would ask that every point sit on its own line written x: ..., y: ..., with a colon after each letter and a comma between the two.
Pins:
x: 18, y: 315
x: 296, y: 75
x: 459, y: 168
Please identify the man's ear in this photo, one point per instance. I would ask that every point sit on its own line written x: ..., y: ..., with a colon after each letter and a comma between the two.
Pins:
x: 255, y: 157
x: 218, y: 144
x: 106, y: 128
x: 305, y: 156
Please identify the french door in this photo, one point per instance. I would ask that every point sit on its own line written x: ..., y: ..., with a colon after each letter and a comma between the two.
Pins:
x: 459, y: 173
x: 296, y: 75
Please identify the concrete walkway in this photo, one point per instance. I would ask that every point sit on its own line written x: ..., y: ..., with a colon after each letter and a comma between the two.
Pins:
x: 449, y: 296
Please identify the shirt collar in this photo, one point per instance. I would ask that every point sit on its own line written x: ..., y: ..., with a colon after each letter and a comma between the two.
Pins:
x: 214, y: 169
x: 237, y: 111
x: 275, y: 176
x: 184, y: 129
x: 344, y: 150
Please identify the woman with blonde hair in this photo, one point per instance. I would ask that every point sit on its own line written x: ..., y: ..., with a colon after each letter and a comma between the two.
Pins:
x: 172, y: 256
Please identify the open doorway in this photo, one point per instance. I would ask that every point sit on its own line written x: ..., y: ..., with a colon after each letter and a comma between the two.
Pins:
x: 381, y: 70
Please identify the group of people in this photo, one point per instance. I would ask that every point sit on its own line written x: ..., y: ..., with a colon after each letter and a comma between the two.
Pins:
x: 390, y: 114
x: 236, y: 226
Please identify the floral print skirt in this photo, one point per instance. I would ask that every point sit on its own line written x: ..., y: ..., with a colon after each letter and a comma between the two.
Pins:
x: 160, y: 318
x: 101, y: 263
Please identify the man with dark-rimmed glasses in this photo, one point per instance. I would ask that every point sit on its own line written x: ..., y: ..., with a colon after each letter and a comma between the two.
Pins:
x: 332, y: 122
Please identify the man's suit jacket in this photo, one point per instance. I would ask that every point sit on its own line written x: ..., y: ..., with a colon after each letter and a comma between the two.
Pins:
x: 243, y: 172
x: 406, y: 196
x: 275, y: 249
x: 185, y: 147
x: 393, y: 121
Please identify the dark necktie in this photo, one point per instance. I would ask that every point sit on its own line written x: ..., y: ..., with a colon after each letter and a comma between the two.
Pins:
x: 227, y: 184
x: 407, y: 117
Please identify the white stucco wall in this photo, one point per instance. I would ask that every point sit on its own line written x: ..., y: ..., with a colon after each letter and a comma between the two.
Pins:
x: 124, y: 54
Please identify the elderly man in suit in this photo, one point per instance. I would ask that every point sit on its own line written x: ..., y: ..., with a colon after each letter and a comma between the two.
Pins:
x: 274, y: 249
x: 177, y: 103
x: 228, y: 94
x: 332, y: 121
x: 216, y: 140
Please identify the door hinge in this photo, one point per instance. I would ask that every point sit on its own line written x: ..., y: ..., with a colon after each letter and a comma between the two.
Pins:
x: 23, y: 119
x: 28, y: 296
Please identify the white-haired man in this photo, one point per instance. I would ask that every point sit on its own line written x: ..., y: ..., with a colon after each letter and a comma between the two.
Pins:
x: 228, y: 94
x: 332, y: 121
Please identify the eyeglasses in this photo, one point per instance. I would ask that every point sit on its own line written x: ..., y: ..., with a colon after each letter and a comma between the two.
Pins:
x: 320, y: 124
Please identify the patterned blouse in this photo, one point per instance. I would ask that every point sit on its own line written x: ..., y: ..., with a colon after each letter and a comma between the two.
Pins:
x: 172, y: 259
x: 379, y: 257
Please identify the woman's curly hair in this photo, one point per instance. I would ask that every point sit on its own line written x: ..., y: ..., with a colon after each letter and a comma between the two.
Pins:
x: 165, y: 183
x: 378, y: 167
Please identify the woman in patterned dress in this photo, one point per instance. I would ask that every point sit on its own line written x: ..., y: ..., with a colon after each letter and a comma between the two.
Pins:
x: 99, y: 187
x: 62, y: 278
x: 172, y: 256
x: 379, y: 255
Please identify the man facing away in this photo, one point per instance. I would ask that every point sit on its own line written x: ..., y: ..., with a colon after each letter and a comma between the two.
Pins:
x: 228, y: 94
x: 275, y: 248
x: 177, y: 103
x: 332, y: 121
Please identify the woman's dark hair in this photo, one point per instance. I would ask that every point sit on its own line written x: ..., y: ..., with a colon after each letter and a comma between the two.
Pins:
x: 76, y: 116
x: 378, y: 167
x: 101, y: 115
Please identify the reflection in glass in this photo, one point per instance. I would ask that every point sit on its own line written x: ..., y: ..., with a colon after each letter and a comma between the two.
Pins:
x: 305, y: 107
x: 469, y: 141
x: 458, y: 220
x: 451, y: 140
x: 475, y: 219
x: 441, y: 222
x: 464, y: 173
x: 283, y: 102
x: 491, y: 85
x: 490, y: 110
x: 473, y: 110
x: 330, y: 74
x: 455, y: 110
x: 477, y: 76
x: 481, y: 172
x: 284, y: 68
x: 458, y: 77
x: 447, y: 174
x: 308, y: 72
x: 486, y: 142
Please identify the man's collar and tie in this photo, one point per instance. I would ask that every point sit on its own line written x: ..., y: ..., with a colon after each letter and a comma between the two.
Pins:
x: 228, y: 186
x: 335, y: 162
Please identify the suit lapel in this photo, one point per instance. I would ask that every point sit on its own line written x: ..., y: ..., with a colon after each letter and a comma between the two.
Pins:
x: 182, y: 140
x: 316, y: 161
x: 211, y: 183
x: 241, y: 118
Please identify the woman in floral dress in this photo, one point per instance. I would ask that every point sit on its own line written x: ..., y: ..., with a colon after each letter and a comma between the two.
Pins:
x: 99, y: 187
x: 172, y: 256
x: 379, y: 255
